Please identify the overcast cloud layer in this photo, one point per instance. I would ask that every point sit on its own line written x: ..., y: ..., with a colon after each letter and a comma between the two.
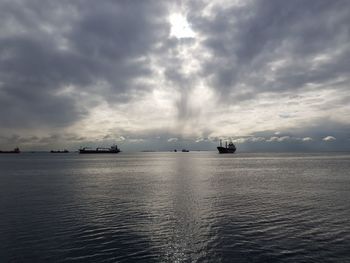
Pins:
x: 268, y: 74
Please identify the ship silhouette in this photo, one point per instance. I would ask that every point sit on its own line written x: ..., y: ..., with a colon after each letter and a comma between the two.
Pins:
x: 112, y: 149
x: 230, y: 148
x: 16, y: 150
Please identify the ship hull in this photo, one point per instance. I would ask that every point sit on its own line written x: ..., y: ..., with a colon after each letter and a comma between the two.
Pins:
x: 226, y: 150
x: 94, y: 151
x: 16, y: 150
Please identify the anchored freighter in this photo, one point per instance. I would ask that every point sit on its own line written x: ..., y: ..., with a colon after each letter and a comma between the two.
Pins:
x: 112, y: 149
x: 230, y: 148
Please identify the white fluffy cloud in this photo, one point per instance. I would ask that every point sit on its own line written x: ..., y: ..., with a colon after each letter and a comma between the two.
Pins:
x: 329, y: 138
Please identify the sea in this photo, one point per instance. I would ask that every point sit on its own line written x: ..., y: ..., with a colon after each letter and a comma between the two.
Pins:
x: 175, y: 207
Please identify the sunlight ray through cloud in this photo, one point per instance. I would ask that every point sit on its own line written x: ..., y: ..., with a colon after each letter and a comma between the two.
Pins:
x: 187, y: 70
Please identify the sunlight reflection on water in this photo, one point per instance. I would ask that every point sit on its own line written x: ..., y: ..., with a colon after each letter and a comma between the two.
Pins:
x: 175, y: 207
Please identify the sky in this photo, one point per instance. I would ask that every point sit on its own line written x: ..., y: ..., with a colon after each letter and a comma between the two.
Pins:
x: 269, y: 75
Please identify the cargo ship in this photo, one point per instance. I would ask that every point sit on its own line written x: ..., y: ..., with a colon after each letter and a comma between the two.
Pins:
x: 230, y: 148
x: 16, y: 150
x: 112, y: 149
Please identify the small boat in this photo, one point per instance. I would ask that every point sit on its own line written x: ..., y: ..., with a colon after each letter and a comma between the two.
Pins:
x: 112, y: 149
x: 16, y: 150
x: 230, y: 148
x: 64, y: 151
x: 185, y: 151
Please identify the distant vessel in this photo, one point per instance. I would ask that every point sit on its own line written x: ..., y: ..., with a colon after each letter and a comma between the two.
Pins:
x: 112, y: 149
x: 16, y: 150
x: 230, y: 148
x: 185, y: 151
x: 64, y: 151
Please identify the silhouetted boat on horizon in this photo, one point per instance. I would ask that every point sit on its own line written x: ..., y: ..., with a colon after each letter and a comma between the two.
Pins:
x: 185, y: 151
x: 112, y: 149
x: 230, y: 148
x: 16, y: 150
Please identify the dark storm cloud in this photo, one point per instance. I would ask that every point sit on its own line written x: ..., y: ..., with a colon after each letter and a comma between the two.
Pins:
x: 244, y: 40
x: 60, y: 59
x: 99, y: 48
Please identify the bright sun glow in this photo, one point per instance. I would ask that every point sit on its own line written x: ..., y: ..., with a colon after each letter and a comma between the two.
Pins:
x: 180, y: 27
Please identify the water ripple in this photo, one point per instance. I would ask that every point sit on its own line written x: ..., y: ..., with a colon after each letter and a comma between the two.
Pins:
x: 165, y: 207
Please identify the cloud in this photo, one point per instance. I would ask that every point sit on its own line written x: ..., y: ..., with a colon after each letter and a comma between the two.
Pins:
x: 279, y: 139
x: 307, y: 139
x: 329, y: 139
x: 98, y: 49
x: 249, y: 139
x: 270, y: 46
x: 75, y: 72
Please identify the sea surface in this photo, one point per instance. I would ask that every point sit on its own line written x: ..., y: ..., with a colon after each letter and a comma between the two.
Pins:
x: 175, y: 207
